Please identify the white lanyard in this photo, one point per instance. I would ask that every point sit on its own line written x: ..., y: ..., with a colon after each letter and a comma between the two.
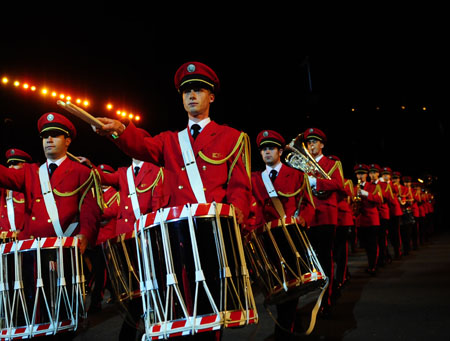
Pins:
x: 273, y: 194
x: 50, y: 204
x: 132, y: 192
x: 191, y: 166
x: 10, y: 209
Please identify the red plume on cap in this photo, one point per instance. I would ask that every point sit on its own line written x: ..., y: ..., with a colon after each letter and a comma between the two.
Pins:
x: 54, y: 121
x: 18, y: 155
x: 197, y: 72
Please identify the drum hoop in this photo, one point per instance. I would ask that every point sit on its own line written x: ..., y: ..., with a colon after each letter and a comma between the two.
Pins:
x: 26, y: 245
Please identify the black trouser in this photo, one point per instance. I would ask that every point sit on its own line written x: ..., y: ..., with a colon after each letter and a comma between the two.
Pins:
x: 415, y: 234
x: 383, y: 254
x: 394, y: 235
x: 368, y: 238
x: 286, y: 319
x: 322, y: 240
x: 405, y: 231
x: 340, y: 253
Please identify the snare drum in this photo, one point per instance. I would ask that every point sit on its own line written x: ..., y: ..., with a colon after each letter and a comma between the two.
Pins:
x: 121, y: 261
x: 8, y: 236
x: 193, y: 272
x: 41, y: 287
x: 283, y: 262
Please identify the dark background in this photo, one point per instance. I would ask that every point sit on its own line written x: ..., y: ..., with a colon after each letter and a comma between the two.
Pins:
x: 269, y: 77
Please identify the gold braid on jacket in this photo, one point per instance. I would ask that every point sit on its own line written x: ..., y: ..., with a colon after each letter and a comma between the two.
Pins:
x: 243, y: 145
x: 93, y: 182
x: 160, y: 176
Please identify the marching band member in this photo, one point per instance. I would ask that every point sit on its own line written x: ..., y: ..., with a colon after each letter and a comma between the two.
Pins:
x: 70, y: 207
x: 12, y: 204
x: 216, y: 163
x: 343, y: 231
x: 383, y: 255
x: 368, y: 221
x: 408, y: 219
x: 323, y: 225
x: 106, y: 231
x: 395, y: 211
x: 291, y: 198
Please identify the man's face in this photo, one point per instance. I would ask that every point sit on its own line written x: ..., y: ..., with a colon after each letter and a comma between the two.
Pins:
x: 395, y: 180
x: 196, y: 102
x: 386, y: 177
x: 361, y: 176
x: 373, y: 175
x: 314, y: 147
x: 55, y: 145
x: 16, y: 165
x: 271, y: 155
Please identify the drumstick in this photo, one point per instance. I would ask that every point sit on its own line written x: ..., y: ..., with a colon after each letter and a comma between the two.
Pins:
x: 83, y: 114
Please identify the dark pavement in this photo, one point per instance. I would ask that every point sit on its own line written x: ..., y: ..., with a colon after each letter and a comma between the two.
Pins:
x: 408, y: 299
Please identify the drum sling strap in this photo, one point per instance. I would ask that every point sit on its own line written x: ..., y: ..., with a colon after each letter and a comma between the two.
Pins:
x: 50, y: 204
x: 10, y: 210
x: 133, y: 194
x: 194, y: 177
x: 280, y: 210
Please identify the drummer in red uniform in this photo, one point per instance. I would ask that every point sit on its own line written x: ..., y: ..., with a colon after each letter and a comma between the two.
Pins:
x: 286, y: 181
x: 215, y: 166
x: 77, y: 210
x: 12, y: 204
x: 323, y: 225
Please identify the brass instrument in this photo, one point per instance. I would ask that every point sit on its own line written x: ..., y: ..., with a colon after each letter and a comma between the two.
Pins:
x: 356, y: 200
x: 299, y: 158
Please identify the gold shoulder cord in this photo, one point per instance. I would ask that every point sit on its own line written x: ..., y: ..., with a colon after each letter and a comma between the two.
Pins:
x: 378, y: 191
x: 302, y: 187
x: 243, y: 144
x: 160, y: 176
x: 111, y: 200
x: 93, y: 182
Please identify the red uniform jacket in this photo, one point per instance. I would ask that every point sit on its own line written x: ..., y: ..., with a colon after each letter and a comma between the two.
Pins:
x: 19, y: 210
x: 383, y: 208
x: 369, y: 207
x: 215, y: 155
x: 345, y: 212
x: 327, y: 208
x: 69, y: 177
x: 109, y: 216
x: 147, y: 183
x: 391, y: 193
x: 287, y: 182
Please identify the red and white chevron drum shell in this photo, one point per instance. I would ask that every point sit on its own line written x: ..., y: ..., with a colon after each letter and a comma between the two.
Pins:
x: 175, y: 213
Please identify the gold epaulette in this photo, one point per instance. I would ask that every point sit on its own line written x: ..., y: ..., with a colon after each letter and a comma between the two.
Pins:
x: 159, y: 176
x: 243, y: 145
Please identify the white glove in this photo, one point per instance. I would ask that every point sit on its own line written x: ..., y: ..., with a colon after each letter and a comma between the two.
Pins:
x: 364, y: 193
x: 312, y: 181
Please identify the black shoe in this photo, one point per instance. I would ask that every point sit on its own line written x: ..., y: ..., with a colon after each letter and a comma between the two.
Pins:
x: 325, y: 312
x: 371, y: 271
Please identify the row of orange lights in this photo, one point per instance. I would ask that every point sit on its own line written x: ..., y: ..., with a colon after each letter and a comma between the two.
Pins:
x: 85, y: 103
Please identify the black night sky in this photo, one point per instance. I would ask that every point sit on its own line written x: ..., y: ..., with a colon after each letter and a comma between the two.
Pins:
x: 271, y: 78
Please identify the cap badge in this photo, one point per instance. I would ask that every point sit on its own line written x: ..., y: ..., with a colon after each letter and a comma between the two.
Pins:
x: 311, y: 130
x: 50, y: 117
x: 266, y: 133
x: 101, y: 166
x: 13, y: 151
x: 191, y: 68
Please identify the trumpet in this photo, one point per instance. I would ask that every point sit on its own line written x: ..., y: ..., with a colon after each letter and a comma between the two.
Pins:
x: 356, y: 200
x: 301, y: 159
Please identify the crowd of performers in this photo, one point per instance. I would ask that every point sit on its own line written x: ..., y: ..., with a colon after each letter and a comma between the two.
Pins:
x: 374, y: 208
